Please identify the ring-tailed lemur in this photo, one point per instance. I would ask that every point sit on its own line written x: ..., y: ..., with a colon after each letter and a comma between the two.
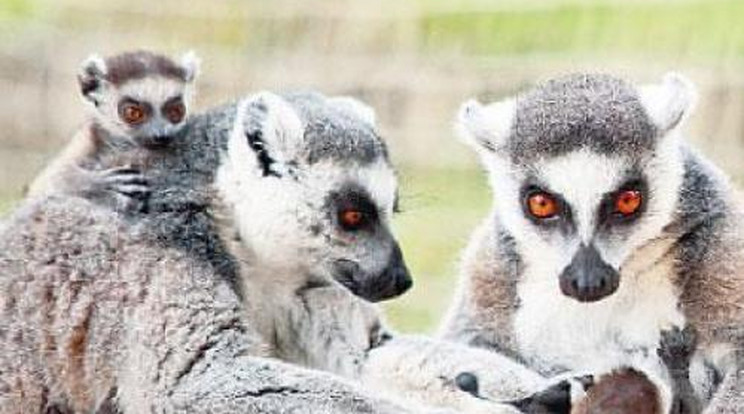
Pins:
x: 136, y: 101
x: 310, y: 190
x: 607, y: 229
x: 102, y: 313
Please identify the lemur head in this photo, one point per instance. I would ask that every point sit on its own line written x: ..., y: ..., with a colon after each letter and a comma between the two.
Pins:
x: 313, y: 191
x: 585, y: 170
x: 140, y: 96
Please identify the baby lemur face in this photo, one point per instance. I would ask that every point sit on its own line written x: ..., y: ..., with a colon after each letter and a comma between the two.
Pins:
x: 585, y: 171
x: 313, y: 192
x: 139, y: 96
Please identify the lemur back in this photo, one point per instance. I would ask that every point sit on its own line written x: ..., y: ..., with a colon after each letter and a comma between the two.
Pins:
x: 137, y: 104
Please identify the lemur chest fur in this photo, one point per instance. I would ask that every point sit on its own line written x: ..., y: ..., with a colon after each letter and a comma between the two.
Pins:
x: 556, y: 332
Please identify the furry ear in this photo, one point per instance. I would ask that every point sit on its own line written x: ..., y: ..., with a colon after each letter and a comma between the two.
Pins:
x: 92, y: 77
x: 485, y: 127
x: 191, y: 65
x: 270, y: 132
x: 355, y: 106
x: 670, y: 102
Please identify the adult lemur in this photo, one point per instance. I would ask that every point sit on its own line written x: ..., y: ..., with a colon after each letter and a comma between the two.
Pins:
x: 607, y: 229
x: 136, y: 102
x: 151, y: 314
x: 310, y: 191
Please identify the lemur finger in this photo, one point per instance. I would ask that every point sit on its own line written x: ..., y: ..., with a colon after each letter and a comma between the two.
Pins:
x: 133, y: 191
x: 126, y: 170
x: 138, y: 179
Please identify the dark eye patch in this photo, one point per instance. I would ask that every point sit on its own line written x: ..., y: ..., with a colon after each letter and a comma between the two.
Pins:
x: 353, y: 202
x: 608, y: 215
x: 563, y: 218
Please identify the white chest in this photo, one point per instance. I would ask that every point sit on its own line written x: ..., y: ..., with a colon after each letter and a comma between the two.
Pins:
x: 553, y: 330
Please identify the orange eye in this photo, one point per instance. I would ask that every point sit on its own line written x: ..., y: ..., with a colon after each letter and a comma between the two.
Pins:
x: 542, y: 205
x: 175, y: 111
x: 133, y: 113
x: 351, y: 219
x: 628, y: 202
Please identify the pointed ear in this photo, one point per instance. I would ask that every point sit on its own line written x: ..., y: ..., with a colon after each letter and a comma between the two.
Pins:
x: 92, y: 78
x: 191, y: 65
x: 485, y: 128
x: 670, y: 102
x: 356, y: 107
x: 271, y: 133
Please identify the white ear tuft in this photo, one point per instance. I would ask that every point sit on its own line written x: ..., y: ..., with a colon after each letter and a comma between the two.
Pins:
x: 485, y: 127
x: 91, y: 78
x: 93, y: 65
x: 670, y: 102
x: 355, y: 106
x: 268, y: 128
x: 191, y: 64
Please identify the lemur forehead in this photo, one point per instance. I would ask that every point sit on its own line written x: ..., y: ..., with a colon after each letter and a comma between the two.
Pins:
x: 592, y: 112
x: 332, y: 133
x: 129, y: 66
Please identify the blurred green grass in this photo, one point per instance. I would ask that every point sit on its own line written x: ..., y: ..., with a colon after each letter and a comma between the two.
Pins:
x: 441, y: 207
x: 709, y: 28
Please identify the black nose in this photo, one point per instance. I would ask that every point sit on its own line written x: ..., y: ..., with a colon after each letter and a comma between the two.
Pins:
x: 394, y: 281
x: 588, y: 278
x: 162, y: 139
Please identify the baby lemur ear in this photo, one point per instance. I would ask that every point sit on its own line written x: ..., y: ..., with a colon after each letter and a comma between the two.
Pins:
x: 92, y: 77
x: 356, y: 107
x: 670, y: 102
x: 191, y: 65
x: 273, y: 132
x: 485, y: 127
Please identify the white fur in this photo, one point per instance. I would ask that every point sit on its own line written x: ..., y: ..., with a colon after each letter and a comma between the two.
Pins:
x: 192, y: 64
x: 669, y: 102
x: 485, y: 127
x: 358, y: 108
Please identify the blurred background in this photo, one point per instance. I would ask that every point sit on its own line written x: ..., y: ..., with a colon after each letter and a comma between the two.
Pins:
x: 414, y: 61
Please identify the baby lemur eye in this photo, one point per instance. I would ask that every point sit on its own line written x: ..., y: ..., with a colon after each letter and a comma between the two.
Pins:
x: 133, y: 112
x: 542, y: 205
x: 627, y: 202
x: 174, y: 110
x: 351, y: 219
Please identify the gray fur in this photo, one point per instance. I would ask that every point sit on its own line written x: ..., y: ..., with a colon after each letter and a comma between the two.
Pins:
x: 700, y: 247
x: 143, y: 309
x: 579, y: 111
x: 335, y: 133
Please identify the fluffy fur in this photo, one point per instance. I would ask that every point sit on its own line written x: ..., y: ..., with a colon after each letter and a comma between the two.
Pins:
x: 582, y: 137
x: 103, y: 314
x: 142, y: 77
x: 289, y: 243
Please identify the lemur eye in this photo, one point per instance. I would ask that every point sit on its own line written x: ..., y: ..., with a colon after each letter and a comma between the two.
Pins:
x: 542, y: 205
x: 627, y: 202
x: 351, y: 219
x: 132, y: 112
x: 174, y: 110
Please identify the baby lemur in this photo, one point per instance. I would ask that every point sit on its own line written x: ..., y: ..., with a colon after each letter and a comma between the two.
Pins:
x: 137, y: 101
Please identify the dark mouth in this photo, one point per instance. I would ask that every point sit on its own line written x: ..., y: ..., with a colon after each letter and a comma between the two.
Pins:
x: 156, y: 142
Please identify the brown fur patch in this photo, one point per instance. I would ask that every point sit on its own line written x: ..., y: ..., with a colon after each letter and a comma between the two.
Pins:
x: 622, y: 392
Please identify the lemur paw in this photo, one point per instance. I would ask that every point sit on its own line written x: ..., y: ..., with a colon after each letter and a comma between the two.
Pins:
x: 555, y: 399
x: 129, y: 188
x: 676, y: 347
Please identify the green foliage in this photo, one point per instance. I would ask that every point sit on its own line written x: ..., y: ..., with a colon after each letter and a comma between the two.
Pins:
x: 710, y: 27
x: 16, y: 9
x: 441, y: 207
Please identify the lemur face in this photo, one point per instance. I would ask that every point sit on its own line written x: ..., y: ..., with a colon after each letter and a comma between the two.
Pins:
x: 585, y: 171
x: 314, y: 195
x: 139, y: 96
